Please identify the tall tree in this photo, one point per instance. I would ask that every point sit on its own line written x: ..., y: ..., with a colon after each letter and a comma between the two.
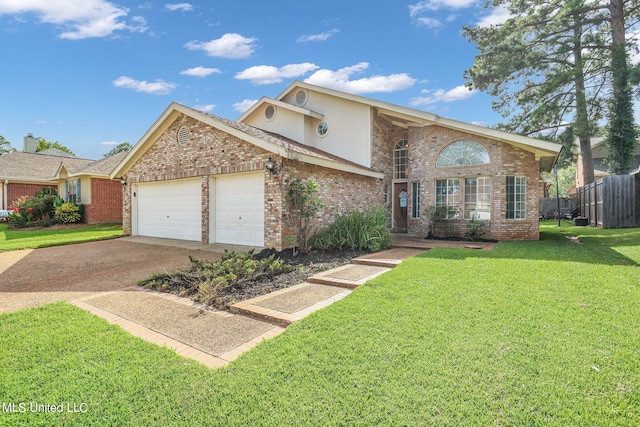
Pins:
x: 123, y: 146
x: 547, y: 66
x: 622, y: 132
x: 43, y: 144
x: 5, y: 146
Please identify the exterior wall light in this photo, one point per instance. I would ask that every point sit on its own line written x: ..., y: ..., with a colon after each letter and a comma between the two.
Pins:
x: 272, y: 166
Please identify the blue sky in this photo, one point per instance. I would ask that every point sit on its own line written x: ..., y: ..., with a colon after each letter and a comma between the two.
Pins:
x: 93, y: 73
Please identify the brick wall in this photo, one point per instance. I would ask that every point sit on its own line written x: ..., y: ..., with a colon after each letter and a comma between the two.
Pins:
x: 384, y: 137
x: 210, y: 152
x: 17, y: 190
x: 425, y: 144
x: 106, y: 202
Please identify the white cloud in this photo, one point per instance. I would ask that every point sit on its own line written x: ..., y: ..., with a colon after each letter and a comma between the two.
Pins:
x: 458, y: 93
x: 430, y: 5
x: 244, y: 105
x: 200, y: 71
x: 340, y: 80
x: 159, y: 87
x: 109, y: 143
x: 267, y: 74
x: 206, y: 107
x: 80, y: 19
x: 185, y: 7
x: 498, y: 16
x: 230, y: 45
x: 431, y: 23
x: 317, y: 37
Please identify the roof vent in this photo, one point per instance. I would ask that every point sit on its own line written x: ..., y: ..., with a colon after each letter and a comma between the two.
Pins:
x: 183, y: 135
x: 301, y: 98
x: 270, y: 112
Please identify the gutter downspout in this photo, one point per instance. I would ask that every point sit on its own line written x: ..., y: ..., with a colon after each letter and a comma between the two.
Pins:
x: 5, y: 195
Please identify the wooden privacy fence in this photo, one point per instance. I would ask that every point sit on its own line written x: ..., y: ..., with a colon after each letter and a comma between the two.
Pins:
x: 611, y: 202
x: 549, y: 206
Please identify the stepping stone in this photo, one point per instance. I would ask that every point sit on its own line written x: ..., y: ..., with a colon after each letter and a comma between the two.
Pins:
x: 288, y: 305
x: 389, y: 258
x: 348, y: 276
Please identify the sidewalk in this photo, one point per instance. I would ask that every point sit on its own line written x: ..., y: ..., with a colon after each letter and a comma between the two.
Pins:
x: 215, y: 338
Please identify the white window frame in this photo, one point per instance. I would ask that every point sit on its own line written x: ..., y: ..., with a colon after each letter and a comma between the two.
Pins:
x: 477, y: 200
x: 400, y: 159
x: 451, y: 193
x: 72, y: 190
x: 516, y: 197
x: 415, y: 199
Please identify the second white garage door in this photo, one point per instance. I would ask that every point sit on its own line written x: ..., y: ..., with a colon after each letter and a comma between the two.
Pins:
x: 170, y: 209
x: 239, y: 209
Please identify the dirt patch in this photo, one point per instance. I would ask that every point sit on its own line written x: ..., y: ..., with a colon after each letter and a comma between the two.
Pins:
x: 303, y: 266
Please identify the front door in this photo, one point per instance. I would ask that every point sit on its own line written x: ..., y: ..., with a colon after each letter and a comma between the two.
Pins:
x: 400, y: 203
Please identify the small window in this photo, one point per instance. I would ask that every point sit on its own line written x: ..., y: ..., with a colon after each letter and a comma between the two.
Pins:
x: 270, y: 112
x: 516, y: 197
x: 463, y: 153
x: 400, y: 155
x: 72, y: 191
x: 301, y: 98
x: 415, y: 199
x: 322, y: 129
x: 182, y: 137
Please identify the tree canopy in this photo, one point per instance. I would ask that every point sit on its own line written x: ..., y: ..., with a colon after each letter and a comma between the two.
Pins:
x: 549, y: 66
x: 123, y: 146
x: 43, y: 144
x: 5, y: 146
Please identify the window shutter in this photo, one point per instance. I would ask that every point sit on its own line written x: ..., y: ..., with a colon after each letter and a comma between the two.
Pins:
x: 66, y: 191
x: 78, y: 199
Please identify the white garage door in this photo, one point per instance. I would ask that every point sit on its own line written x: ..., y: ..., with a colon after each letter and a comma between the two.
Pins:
x: 239, y: 209
x: 170, y: 209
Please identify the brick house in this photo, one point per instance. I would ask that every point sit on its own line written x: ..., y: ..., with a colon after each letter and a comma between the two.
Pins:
x: 196, y: 176
x: 77, y: 180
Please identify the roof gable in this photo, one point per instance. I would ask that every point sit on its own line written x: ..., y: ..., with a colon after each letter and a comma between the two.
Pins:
x: 270, y: 142
x: 544, y: 151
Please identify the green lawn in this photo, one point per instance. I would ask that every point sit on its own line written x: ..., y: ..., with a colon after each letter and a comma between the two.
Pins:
x: 11, y: 240
x: 530, y: 333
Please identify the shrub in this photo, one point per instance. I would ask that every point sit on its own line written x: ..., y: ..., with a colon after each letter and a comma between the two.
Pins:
x: 363, y: 230
x: 68, y: 213
x: 38, y: 210
x: 475, y: 229
x: 205, y: 280
x: 304, y: 207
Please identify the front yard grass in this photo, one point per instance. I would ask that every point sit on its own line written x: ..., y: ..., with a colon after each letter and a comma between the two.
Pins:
x: 530, y: 333
x: 11, y: 240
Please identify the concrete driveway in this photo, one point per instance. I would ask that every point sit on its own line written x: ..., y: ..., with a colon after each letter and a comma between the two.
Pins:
x: 34, y: 277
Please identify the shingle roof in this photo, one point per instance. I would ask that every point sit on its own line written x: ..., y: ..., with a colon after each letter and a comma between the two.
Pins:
x: 35, y: 166
x: 100, y: 167
x: 38, y: 167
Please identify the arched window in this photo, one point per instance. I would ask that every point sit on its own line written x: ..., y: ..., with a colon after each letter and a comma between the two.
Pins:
x: 400, y: 154
x: 462, y: 153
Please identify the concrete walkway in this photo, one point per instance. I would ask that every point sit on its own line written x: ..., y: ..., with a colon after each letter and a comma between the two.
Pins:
x: 215, y: 338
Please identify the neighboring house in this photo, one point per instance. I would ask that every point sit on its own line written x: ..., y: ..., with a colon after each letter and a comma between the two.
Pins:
x: 196, y: 176
x: 599, y: 152
x: 77, y: 180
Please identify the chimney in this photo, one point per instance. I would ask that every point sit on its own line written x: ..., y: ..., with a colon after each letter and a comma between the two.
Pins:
x: 30, y: 143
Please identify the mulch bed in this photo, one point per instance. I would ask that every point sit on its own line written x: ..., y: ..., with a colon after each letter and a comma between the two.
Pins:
x: 304, y: 266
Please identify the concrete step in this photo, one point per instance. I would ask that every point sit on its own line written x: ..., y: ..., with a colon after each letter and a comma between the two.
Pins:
x: 348, y: 276
x: 291, y: 304
x: 389, y: 258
